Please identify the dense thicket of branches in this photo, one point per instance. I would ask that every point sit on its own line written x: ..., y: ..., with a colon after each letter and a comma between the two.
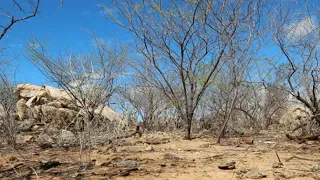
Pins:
x: 183, y: 44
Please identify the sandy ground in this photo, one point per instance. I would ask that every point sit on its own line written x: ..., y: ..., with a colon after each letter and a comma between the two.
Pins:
x: 168, y: 156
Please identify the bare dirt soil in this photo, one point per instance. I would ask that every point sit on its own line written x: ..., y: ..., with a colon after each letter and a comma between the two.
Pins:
x: 166, y: 156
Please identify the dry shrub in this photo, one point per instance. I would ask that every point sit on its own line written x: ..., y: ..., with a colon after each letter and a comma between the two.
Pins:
x: 8, y: 128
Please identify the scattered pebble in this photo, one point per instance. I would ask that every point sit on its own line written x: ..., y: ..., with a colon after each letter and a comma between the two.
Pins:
x: 149, y: 148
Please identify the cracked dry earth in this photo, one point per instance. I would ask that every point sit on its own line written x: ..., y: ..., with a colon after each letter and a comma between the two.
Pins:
x: 168, y: 156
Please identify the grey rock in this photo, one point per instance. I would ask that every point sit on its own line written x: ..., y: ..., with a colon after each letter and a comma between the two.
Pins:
x: 128, y: 163
x: 277, y: 165
x: 255, y: 175
x: 171, y: 156
x: 67, y: 137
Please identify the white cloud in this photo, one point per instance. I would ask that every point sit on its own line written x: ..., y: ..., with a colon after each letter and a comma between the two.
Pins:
x: 298, y: 30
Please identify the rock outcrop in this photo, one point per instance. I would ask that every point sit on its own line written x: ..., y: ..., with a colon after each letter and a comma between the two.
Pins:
x: 294, y: 116
x: 52, y: 105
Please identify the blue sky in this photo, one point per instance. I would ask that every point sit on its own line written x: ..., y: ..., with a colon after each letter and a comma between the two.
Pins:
x: 63, y: 28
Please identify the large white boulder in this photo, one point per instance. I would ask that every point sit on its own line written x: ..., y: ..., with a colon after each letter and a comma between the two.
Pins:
x: 27, y: 90
x: 56, y: 94
x: 53, y: 105
x: 108, y: 113
x: 58, y: 116
x: 294, y: 116
x: 22, y: 109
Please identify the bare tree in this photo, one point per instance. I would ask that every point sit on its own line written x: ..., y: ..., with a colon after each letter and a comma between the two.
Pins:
x: 89, y: 79
x: 14, y: 12
x: 296, y: 33
x: 185, y: 42
x: 17, y: 12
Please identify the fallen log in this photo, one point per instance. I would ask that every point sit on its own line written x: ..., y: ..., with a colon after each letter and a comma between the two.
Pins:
x: 301, y: 158
x: 301, y: 139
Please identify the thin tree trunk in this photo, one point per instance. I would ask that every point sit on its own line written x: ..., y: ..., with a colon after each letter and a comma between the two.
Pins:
x: 188, y: 133
x: 221, y: 134
x: 188, y: 128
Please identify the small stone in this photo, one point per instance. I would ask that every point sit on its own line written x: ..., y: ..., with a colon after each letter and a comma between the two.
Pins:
x: 75, y: 175
x: 316, y: 168
x: 67, y: 136
x: 36, y: 127
x: 204, y: 145
x: 277, y: 165
x: 227, y: 165
x: 25, y: 139
x: 48, y: 165
x: 242, y: 171
x: 118, y: 150
x: 255, y: 175
x: 269, y: 142
x: 179, y: 149
x: 170, y: 156
x: 273, y: 146
x: 45, y: 145
x: 149, y: 148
